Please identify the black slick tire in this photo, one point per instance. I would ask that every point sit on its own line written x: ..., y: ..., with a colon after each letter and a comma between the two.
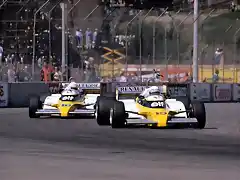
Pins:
x: 102, y: 114
x: 118, y: 115
x: 34, y: 105
x: 198, y: 111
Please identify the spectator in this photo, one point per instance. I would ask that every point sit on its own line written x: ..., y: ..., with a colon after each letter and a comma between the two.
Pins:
x: 215, y: 77
x: 11, y: 74
x: 233, y: 6
x: 1, y: 54
x: 94, y: 38
x: 23, y: 75
x: 219, y: 57
x: 156, y: 76
x: 79, y: 38
x: 46, y: 72
x: 123, y: 78
x: 185, y: 78
x: 88, y: 36
x: 57, y: 76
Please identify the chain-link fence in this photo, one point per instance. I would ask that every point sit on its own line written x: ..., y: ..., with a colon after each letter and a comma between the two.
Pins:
x: 148, y: 41
x: 165, y: 41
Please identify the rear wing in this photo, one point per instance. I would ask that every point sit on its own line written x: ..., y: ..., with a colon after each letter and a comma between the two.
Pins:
x: 132, y: 91
x: 129, y: 91
x: 88, y: 88
x: 172, y: 90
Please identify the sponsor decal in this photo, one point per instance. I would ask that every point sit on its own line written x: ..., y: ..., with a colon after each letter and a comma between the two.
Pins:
x: 222, y: 92
x: 89, y: 85
x: 131, y: 89
x: 3, y: 94
x: 157, y: 104
x: 67, y: 98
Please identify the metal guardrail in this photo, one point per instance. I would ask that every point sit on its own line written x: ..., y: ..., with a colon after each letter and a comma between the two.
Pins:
x: 175, y: 53
x: 201, y: 92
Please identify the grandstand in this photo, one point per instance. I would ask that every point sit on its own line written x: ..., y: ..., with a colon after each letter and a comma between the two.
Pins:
x: 16, y: 32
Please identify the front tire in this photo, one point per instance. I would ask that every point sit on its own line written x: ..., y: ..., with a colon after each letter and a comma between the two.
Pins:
x: 102, y: 114
x: 34, y: 105
x: 199, y: 112
x: 118, y: 115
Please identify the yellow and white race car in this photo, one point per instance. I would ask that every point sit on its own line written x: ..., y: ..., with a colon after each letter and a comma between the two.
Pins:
x: 158, y: 110
x: 67, y: 103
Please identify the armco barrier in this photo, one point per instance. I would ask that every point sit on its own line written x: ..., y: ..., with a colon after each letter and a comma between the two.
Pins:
x: 204, y: 92
x: 19, y: 93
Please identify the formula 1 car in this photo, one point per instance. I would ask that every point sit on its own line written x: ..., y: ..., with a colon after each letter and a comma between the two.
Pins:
x: 131, y: 109
x: 67, y: 103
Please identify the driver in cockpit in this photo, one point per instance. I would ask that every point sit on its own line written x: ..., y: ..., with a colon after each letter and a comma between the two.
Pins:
x: 153, y: 90
x: 73, y: 86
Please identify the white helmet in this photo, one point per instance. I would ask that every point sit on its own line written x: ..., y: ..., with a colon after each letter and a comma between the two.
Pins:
x: 154, y: 91
x: 74, y: 86
x: 72, y: 79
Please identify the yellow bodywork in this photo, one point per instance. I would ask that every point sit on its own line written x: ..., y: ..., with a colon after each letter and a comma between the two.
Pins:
x: 66, y: 106
x: 158, y: 115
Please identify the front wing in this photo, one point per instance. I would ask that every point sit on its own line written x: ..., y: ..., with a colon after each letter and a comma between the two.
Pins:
x: 56, y: 112
x: 170, y: 122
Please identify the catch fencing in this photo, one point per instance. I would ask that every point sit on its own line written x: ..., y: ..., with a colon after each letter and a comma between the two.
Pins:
x: 164, y: 42
x: 151, y: 40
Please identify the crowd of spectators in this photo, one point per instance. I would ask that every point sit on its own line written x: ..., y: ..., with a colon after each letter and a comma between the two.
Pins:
x: 16, y: 44
x: 87, y: 39
x: 16, y: 39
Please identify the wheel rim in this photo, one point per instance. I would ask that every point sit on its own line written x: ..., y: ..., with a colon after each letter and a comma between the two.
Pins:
x: 96, y: 112
x: 190, y: 113
x: 111, y: 116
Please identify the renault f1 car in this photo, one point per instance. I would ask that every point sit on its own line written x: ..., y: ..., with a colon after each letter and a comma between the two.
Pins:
x: 129, y: 108
x: 67, y: 103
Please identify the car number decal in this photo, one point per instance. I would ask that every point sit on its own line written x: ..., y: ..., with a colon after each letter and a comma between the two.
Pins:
x: 67, y: 98
x: 157, y: 104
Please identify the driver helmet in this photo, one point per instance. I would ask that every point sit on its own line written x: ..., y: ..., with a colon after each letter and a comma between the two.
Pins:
x: 74, y: 86
x: 154, y: 91
x: 72, y: 79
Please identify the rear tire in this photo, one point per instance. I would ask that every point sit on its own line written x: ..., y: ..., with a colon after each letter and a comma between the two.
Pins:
x: 102, y: 114
x: 199, y: 112
x: 118, y: 115
x: 34, y: 105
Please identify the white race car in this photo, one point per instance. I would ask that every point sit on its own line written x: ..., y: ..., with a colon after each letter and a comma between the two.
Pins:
x: 157, y: 110
x: 67, y: 103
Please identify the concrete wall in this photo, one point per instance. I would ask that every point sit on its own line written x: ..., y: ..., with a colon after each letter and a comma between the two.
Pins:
x: 19, y: 93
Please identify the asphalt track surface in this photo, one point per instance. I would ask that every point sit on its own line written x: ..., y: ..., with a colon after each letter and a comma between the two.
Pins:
x: 56, y: 149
